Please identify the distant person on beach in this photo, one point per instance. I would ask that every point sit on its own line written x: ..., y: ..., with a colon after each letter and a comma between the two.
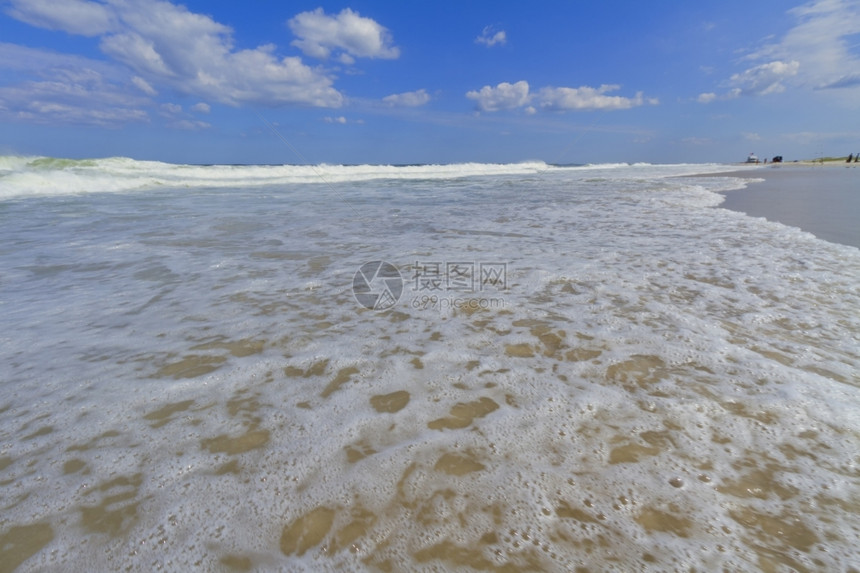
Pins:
x: 850, y: 157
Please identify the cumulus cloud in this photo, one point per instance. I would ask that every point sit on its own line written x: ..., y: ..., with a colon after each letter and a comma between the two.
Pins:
x: 815, y: 53
x: 166, y: 44
x: 706, y: 97
x: 588, y: 98
x: 503, y: 96
x: 201, y: 107
x: 585, y: 98
x: 491, y: 37
x: 347, y: 33
x: 408, y: 99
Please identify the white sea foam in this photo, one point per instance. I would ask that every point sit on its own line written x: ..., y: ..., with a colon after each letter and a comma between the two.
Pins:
x: 188, y: 381
x: 46, y: 176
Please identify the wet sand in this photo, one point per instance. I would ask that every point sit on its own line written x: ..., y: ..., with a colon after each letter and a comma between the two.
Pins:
x: 823, y: 200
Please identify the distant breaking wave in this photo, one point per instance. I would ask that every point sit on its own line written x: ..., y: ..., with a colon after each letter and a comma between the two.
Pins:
x: 22, y: 176
x: 28, y: 176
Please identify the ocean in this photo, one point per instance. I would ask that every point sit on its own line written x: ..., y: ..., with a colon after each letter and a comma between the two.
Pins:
x: 420, y: 368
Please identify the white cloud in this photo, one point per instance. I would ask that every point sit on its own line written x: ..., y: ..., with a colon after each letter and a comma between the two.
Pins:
x: 814, y: 54
x: 67, y: 89
x: 764, y: 79
x: 36, y: 61
x: 137, y: 52
x: 185, y: 121
x: 341, y: 120
x: 73, y: 16
x: 823, y: 40
x: 144, y: 86
x: 347, y: 32
x: 588, y: 98
x: 503, y: 96
x: 408, y: 99
x: 846, y: 81
x: 491, y: 37
x: 166, y: 44
x: 512, y: 96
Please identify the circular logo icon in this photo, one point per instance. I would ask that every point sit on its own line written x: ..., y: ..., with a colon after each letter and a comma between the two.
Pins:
x: 377, y: 285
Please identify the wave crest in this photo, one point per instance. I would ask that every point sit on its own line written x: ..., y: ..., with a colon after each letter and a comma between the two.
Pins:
x: 40, y: 176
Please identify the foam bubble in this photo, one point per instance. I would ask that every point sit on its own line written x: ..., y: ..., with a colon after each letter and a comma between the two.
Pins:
x: 191, y: 384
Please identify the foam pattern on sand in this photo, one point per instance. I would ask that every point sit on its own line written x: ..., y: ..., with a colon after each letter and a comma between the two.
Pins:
x: 657, y: 384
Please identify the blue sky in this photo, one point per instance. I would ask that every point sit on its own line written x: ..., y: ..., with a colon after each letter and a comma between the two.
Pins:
x: 429, y: 82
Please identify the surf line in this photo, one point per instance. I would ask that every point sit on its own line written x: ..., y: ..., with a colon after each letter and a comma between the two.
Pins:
x: 306, y: 162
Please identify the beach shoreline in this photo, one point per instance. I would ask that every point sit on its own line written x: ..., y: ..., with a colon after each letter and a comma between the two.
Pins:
x: 750, y: 170
x: 815, y: 197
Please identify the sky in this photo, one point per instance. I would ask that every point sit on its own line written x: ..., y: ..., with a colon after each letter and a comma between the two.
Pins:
x: 566, y: 82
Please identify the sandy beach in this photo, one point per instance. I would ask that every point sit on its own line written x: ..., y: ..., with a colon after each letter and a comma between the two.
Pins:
x: 822, y: 199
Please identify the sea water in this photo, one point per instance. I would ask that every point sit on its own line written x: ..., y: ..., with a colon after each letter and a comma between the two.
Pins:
x: 428, y: 368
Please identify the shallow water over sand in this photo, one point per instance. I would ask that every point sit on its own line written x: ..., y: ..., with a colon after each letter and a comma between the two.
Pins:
x: 639, y: 381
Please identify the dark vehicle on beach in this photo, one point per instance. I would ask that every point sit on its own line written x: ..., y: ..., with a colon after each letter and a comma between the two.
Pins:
x: 777, y: 159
